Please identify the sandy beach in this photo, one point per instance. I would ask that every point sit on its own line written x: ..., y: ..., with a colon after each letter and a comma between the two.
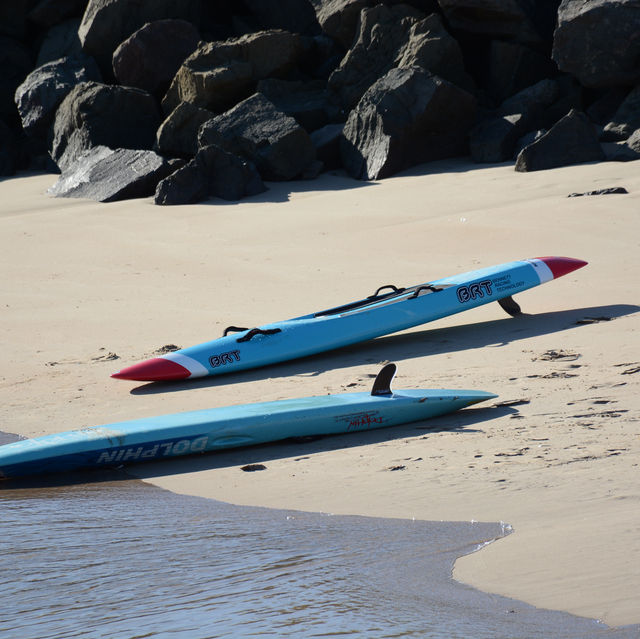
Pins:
x: 88, y: 288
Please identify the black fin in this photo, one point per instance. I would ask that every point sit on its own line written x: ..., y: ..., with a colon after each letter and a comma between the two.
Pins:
x: 382, y: 385
x: 510, y: 306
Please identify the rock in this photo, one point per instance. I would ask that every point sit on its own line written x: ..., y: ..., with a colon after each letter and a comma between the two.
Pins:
x: 391, y: 37
x: 42, y: 91
x: 145, y: 61
x: 526, y: 140
x: 626, y: 119
x: 572, y: 140
x: 628, y: 151
x: 213, y: 172
x: 603, y: 108
x: 178, y: 134
x: 220, y: 74
x: 106, y: 23
x: 13, y: 18
x: 599, y: 41
x: 48, y: 13
x: 407, y: 117
x: 494, y: 139
x: 307, y: 102
x: 108, y: 175
x: 532, y: 101
x: 15, y: 62
x: 256, y: 131
x: 326, y: 142
x: 61, y: 41
x: 295, y: 16
x: 613, y: 190
x: 570, y: 97
x: 504, y: 19
x: 339, y: 18
x: 95, y: 114
x: 8, y: 150
x: 513, y: 67
x: 634, y: 141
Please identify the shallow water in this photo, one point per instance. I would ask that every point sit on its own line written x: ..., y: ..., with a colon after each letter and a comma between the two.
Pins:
x: 119, y: 558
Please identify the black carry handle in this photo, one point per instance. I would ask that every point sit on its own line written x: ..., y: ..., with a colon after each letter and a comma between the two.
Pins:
x: 424, y: 287
x: 258, y: 331
x: 394, y: 289
x: 365, y: 302
x: 233, y: 329
x: 252, y: 333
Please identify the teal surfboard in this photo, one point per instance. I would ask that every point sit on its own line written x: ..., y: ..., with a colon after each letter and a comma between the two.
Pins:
x: 202, y: 431
x: 388, y: 310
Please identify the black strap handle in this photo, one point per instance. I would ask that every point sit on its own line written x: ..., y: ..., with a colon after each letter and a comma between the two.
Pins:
x: 258, y: 331
x: 424, y: 287
x: 393, y: 288
x: 233, y: 329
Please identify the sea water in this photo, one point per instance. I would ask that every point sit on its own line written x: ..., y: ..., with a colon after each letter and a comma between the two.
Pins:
x: 113, y: 557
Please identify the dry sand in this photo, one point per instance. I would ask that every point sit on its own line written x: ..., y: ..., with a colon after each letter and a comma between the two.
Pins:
x: 83, y: 283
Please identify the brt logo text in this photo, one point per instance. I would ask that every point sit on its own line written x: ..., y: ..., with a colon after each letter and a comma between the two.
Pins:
x: 474, y: 291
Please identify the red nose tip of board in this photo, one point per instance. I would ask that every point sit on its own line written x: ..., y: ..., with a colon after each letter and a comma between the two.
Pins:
x: 560, y: 266
x: 157, y: 369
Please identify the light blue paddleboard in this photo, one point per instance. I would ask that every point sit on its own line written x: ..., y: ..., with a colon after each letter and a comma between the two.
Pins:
x: 201, y: 431
x: 386, y: 311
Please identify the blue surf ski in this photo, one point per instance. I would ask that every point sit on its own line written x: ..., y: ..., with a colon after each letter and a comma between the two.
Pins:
x: 388, y: 310
x: 202, y: 431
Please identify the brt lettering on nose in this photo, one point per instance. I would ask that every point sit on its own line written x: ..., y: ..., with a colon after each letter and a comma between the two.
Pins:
x: 473, y: 291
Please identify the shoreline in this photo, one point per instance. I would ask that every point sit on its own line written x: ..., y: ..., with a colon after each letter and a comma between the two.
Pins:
x: 88, y: 282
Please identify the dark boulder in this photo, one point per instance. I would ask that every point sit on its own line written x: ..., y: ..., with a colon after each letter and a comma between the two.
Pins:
x: 107, y: 175
x: 602, y: 109
x: 13, y: 18
x: 307, y: 102
x: 512, y: 67
x: 220, y: 74
x: 42, y: 91
x: 494, y: 139
x: 213, y: 172
x: 256, y: 131
x: 8, y: 150
x: 326, y: 142
x: 599, y: 41
x: 633, y: 141
x: 572, y: 140
x: 295, y: 16
x: 144, y: 60
x: 504, y: 19
x: 16, y: 64
x: 622, y: 151
x: 626, y: 119
x: 526, y: 140
x: 391, y: 37
x: 407, y: 117
x: 48, y: 13
x: 95, y: 114
x: 339, y: 18
x: 178, y: 134
x: 532, y: 101
x: 106, y: 23
x: 61, y: 41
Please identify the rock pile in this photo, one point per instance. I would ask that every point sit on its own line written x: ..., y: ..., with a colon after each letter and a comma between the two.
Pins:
x: 189, y: 99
